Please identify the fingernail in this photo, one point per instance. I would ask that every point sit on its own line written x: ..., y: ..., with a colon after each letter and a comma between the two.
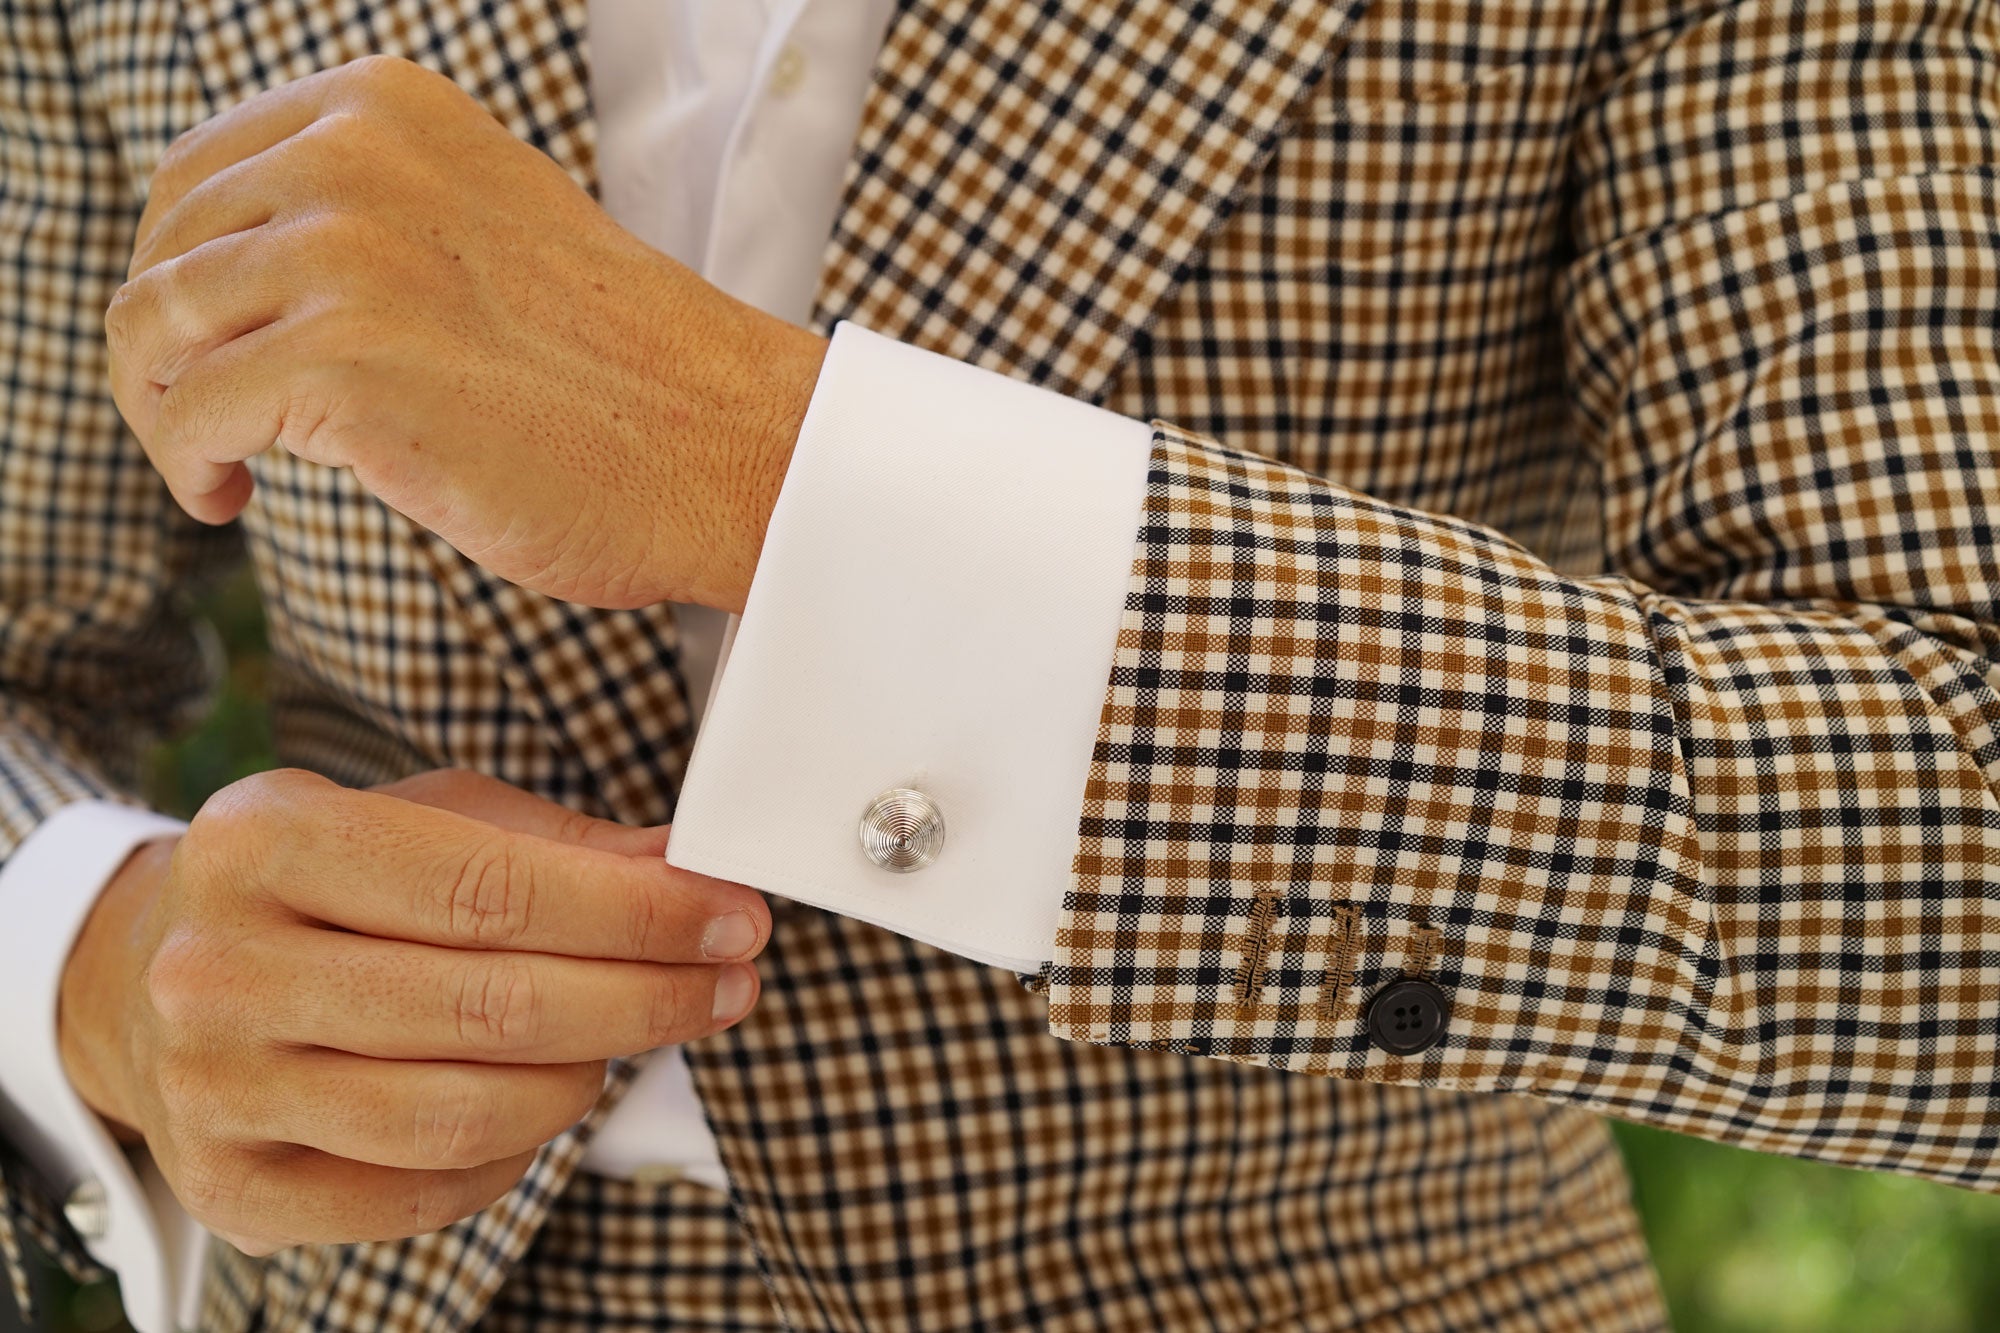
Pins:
x: 729, y: 936
x: 732, y: 993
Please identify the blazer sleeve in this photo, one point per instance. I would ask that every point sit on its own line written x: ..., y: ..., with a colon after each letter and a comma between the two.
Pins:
x: 1710, y: 841
x: 96, y: 653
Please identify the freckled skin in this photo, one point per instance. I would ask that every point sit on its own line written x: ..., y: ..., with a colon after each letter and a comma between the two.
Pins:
x: 615, y: 430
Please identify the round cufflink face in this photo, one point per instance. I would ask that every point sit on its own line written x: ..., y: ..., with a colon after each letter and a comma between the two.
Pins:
x: 1408, y: 1016
x: 88, y: 1211
x: 902, y: 830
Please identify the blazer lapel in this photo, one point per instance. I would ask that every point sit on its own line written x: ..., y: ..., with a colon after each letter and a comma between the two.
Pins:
x: 1031, y: 178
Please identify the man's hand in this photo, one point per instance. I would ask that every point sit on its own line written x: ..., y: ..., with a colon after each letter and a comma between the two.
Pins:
x: 343, y: 1016
x: 368, y: 270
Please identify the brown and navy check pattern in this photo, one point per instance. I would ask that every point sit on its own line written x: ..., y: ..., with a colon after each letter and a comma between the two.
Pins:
x: 1682, y: 787
x: 1708, y: 828
x: 615, y: 1256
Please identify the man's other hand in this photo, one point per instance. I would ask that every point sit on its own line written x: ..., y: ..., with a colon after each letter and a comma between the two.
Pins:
x: 341, y: 1015
x: 367, y: 269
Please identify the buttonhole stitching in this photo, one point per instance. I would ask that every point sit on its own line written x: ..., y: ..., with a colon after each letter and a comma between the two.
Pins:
x: 1256, y: 946
x: 1342, y: 948
x: 1424, y: 942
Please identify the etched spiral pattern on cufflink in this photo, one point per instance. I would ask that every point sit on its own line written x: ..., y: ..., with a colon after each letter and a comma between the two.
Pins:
x: 902, y: 830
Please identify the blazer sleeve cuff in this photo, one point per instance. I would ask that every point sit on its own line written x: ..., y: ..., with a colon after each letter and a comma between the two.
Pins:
x: 935, y: 611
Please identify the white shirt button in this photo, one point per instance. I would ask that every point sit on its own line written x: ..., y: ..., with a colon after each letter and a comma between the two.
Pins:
x: 902, y: 830
x: 788, y: 71
x: 88, y: 1211
x: 658, y: 1175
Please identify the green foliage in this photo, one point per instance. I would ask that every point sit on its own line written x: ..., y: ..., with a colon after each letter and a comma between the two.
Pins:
x: 1753, y: 1244
x: 1744, y: 1243
x: 234, y: 739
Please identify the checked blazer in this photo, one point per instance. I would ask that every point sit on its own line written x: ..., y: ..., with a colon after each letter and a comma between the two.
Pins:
x: 1566, y: 575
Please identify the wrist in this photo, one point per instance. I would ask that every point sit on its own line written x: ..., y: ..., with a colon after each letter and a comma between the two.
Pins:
x: 782, y: 365
x: 93, y: 1026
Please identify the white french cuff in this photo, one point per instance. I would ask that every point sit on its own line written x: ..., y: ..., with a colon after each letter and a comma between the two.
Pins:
x: 935, y: 611
x: 119, y: 1205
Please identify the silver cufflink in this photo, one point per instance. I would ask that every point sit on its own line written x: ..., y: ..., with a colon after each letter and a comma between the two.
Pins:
x: 902, y: 830
x: 88, y: 1211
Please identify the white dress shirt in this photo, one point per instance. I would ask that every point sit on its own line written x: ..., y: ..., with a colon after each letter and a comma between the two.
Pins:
x: 936, y: 607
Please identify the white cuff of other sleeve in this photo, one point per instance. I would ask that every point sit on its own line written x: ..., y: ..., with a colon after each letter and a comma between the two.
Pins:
x: 936, y: 608
x: 47, y: 888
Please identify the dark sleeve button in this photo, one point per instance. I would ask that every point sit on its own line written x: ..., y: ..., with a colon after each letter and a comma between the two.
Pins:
x: 1408, y: 1016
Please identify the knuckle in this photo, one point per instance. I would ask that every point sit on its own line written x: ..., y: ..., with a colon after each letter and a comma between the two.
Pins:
x: 181, y: 1082
x: 332, y: 336
x: 288, y: 782
x: 646, y: 924
x: 425, y: 1204
x: 436, y: 1199
x: 214, y: 1185
x: 176, y: 415
x: 203, y: 1190
x: 259, y: 798
x: 180, y: 982
x: 321, y: 158
x: 379, y: 68
x: 221, y: 821
x: 258, y: 814
x: 499, y: 1005
x: 305, y: 425
x: 672, y: 1013
x: 389, y: 79
x: 335, y: 236
x: 173, y: 163
x: 184, y: 415
x: 490, y: 897
x: 454, y: 1127
x: 249, y: 1196
x: 203, y: 266
x: 132, y: 309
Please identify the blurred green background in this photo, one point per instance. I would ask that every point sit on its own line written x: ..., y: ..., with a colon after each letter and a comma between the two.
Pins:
x: 1744, y: 1243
